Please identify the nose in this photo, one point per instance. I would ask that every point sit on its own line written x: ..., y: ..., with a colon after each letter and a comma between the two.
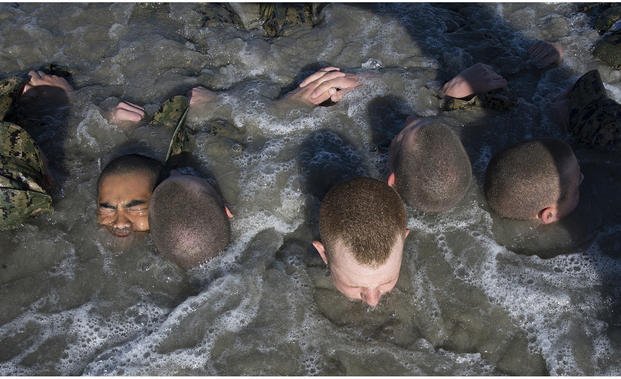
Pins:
x: 121, y: 221
x: 371, y: 296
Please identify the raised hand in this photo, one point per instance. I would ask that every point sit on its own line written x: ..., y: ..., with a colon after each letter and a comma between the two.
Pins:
x: 201, y: 95
x: 327, y: 83
x: 476, y: 79
x: 126, y: 113
x: 543, y: 54
x: 39, y: 78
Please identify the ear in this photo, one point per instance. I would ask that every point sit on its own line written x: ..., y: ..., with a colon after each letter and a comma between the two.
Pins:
x: 392, y: 179
x: 407, y: 232
x: 321, y: 250
x: 228, y: 212
x: 548, y: 215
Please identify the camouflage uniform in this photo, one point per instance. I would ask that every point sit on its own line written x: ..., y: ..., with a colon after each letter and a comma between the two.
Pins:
x: 499, y: 99
x: 594, y: 118
x: 22, y: 169
x: 172, y: 116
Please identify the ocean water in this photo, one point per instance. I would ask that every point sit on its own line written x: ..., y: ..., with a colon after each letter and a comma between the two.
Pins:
x: 476, y: 296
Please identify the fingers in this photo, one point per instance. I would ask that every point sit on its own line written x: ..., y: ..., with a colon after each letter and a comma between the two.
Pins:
x: 127, y: 115
x: 39, y: 78
x: 130, y: 107
x: 337, y: 95
x: 322, y: 97
x: 543, y: 54
x: 318, y: 75
x: 458, y: 88
x: 34, y: 74
x: 326, y: 77
x: 126, y: 112
x: 328, y: 83
x: 26, y: 88
x: 341, y: 82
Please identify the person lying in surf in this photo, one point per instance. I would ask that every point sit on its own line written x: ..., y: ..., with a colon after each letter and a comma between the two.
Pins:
x: 534, y: 180
x: 362, y: 227
x: 327, y: 83
x: 479, y: 85
x: 189, y: 220
x: 126, y: 183
x: 428, y: 165
x: 185, y: 214
x: 24, y: 175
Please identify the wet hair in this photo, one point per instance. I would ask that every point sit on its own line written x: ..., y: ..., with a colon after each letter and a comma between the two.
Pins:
x: 131, y: 163
x: 433, y: 172
x: 187, y: 220
x: 528, y: 177
x: 366, y: 216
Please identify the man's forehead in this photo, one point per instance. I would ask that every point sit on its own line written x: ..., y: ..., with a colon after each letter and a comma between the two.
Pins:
x: 140, y: 175
x: 342, y: 254
x: 347, y: 270
x: 125, y: 185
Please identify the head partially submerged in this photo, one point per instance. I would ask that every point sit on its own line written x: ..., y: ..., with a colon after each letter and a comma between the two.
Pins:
x: 362, y: 223
x: 188, y: 218
x: 429, y: 166
x: 537, y: 179
x: 124, y: 188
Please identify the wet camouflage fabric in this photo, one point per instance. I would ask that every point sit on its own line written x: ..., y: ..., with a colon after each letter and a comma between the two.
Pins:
x: 172, y: 115
x: 8, y: 89
x: 276, y: 17
x: 500, y: 99
x: 594, y: 119
x: 608, y: 49
x: 22, y: 173
x: 607, y: 18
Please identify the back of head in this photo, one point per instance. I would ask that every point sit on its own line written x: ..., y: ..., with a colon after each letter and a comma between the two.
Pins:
x: 433, y: 170
x: 364, y: 214
x: 525, y: 178
x: 187, y: 219
x: 130, y: 163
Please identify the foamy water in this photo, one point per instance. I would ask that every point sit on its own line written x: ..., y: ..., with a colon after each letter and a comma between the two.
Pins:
x: 75, y: 302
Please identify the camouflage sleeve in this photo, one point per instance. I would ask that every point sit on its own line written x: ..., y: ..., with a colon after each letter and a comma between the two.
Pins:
x: 22, y: 173
x: 172, y: 115
x: 8, y: 90
x: 594, y: 118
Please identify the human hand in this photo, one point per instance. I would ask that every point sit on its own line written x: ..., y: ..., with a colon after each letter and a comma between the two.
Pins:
x: 543, y: 54
x: 200, y: 95
x: 126, y: 113
x: 476, y: 79
x: 39, y: 78
x: 327, y: 83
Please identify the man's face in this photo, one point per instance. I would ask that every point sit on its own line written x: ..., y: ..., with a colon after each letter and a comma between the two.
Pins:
x: 573, y: 177
x: 362, y: 282
x: 124, y: 203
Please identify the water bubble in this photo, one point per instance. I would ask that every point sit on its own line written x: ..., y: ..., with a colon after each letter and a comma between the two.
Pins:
x: 372, y: 64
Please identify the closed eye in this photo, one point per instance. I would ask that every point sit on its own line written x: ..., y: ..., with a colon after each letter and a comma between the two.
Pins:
x: 135, y: 203
x: 106, y: 206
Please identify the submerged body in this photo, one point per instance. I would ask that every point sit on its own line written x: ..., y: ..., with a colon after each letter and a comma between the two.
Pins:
x: 266, y: 304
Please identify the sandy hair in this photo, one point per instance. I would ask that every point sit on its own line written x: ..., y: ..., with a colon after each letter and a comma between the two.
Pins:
x: 187, y: 220
x: 525, y: 178
x: 432, y: 170
x: 364, y: 214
